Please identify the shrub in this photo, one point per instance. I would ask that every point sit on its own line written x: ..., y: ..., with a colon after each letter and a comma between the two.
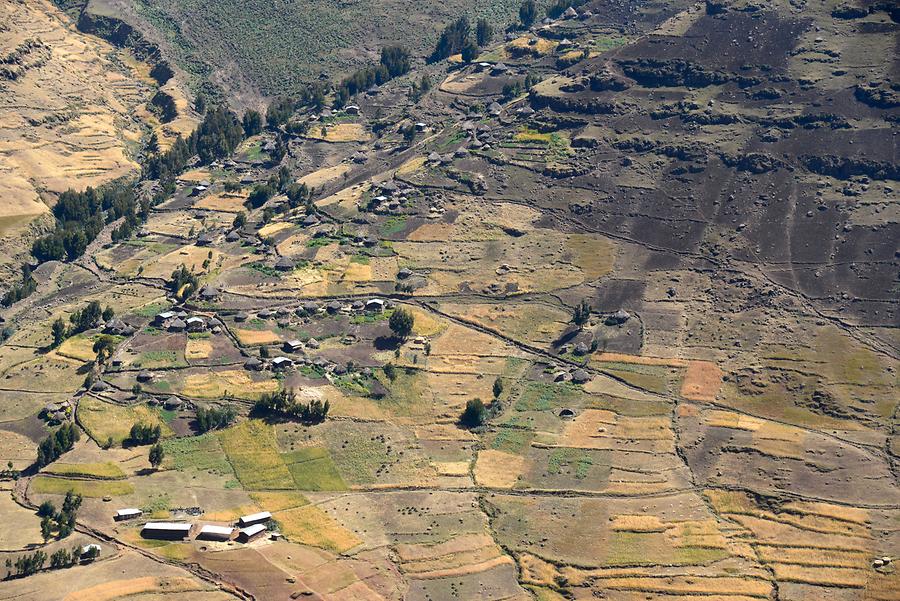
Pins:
x: 474, y: 414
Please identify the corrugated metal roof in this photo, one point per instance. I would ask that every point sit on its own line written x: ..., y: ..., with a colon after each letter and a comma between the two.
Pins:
x: 250, y: 531
x: 256, y: 517
x: 217, y: 530
x: 170, y: 526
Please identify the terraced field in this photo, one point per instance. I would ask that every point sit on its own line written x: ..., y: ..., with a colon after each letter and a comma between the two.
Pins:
x: 629, y: 333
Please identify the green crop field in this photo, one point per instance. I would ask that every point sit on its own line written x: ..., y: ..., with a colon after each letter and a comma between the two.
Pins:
x: 313, y: 469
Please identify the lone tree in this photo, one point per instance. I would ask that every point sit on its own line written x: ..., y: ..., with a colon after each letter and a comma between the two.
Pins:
x: 401, y: 323
x: 59, y: 331
x: 156, y: 455
x: 469, y: 51
x: 582, y: 313
x: 483, y: 32
x: 528, y: 13
x: 498, y: 387
x: 474, y: 414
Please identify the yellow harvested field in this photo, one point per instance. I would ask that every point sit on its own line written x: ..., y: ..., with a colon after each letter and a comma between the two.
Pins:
x: 118, y: 589
x: 426, y: 323
x: 340, y: 132
x: 813, y: 557
x: 465, y: 570
x: 837, y: 512
x: 213, y: 385
x: 17, y: 448
x: 309, y: 525
x: 637, y: 523
x: 270, y: 229
x: 197, y: 348
x: 537, y: 571
x: 411, y: 166
x: 591, y: 429
x: 228, y: 202
x: 346, y: 198
x: 604, y: 357
x: 683, y: 585
x: 19, y: 527
x: 253, y: 337
x: 190, y: 256
x: 194, y: 176
x: 497, y: 469
x: 323, y: 176
x: 842, y: 577
x: 80, y: 347
x: 452, y: 468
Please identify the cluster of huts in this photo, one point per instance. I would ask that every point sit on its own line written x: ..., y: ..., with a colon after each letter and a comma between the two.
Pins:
x: 57, y: 412
x: 247, y: 529
x: 391, y: 198
x: 181, y: 321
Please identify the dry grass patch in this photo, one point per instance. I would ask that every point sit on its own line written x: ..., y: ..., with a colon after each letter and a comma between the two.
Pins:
x: 340, y: 132
x: 119, y: 589
x: 702, y: 380
x: 86, y: 488
x: 324, y: 175
x: 309, y: 525
x: 103, y: 420
x: 497, y: 469
x: 103, y: 471
x: 227, y: 202
x: 537, y: 571
x: 197, y: 348
x: 80, y: 347
x: 256, y: 337
x: 411, y: 166
x: 214, y: 385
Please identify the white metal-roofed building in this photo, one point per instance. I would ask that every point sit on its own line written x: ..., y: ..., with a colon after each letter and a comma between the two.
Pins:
x: 127, y: 514
x: 210, y: 532
x: 255, y: 518
x: 250, y: 533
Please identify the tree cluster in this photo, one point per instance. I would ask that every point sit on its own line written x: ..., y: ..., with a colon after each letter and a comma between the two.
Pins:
x: 582, y: 313
x: 183, y: 282
x: 144, y: 434
x: 87, y: 318
x: 62, y: 521
x: 528, y: 13
x: 62, y: 558
x: 26, y: 565
x: 56, y: 444
x: 80, y: 216
x: 452, y: 40
x: 216, y: 137
x: 215, y: 418
x: 20, y: 291
x: 284, y: 403
x: 394, y: 63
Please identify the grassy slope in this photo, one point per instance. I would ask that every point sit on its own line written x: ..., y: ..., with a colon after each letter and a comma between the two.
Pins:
x: 279, y: 45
